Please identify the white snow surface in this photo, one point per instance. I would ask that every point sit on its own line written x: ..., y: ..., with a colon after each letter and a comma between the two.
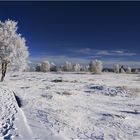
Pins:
x: 70, y: 106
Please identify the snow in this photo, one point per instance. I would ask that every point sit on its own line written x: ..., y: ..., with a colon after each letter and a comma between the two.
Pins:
x: 8, y: 110
x: 70, y: 106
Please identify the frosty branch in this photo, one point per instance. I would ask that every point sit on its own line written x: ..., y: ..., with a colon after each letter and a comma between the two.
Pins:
x: 13, y: 49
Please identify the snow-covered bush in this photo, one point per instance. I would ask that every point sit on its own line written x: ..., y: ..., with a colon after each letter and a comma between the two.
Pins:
x: 13, y: 49
x: 67, y: 66
x: 128, y: 70
x: 96, y: 66
x: 45, y: 66
x: 76, y: 67
x: 117, y: 68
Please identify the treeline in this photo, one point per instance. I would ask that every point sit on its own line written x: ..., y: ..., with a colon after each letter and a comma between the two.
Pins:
x: 95, y: 66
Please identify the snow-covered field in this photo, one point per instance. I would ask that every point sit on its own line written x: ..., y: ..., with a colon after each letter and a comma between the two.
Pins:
x: 70, y: 106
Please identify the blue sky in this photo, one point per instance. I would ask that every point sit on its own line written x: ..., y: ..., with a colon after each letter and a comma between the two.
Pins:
x: 78, y: 31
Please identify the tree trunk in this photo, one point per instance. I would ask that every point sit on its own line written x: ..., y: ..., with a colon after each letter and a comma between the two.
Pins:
x: 4, y: 69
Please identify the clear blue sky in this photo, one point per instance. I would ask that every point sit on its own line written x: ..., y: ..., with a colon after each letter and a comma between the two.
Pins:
x: 78, y: 31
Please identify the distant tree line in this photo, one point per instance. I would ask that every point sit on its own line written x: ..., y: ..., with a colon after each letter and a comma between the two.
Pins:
x: 95, y: 66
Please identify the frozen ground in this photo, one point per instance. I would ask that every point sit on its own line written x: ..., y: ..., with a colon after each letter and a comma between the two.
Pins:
x: 8, y: 109
x: 70, y: 106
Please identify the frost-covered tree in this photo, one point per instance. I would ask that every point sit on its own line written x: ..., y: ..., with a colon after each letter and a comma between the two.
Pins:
x: 136, y: 71
x: 76, y: 67
x: 85, y: 68
x: 21, y: 53
x: 67, y: 66
x: 122, y: 69
x: 128, y: 70
x: 45, y: 66
x: 13, y: 49
x: 117, y: 68
x: 96, y: 66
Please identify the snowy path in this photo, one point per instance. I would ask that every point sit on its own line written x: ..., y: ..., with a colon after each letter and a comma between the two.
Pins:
x: 8, y: 110
x: 13, y: 121
x: 13, y: 124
